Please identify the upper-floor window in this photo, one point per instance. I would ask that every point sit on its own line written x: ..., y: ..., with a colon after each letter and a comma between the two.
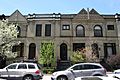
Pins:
x: 47, y: 29
x: 110, y: 27
x: 80, y: 31
x: 19, y: 31
x: 38, y: 29
x: 65, y: 27
x: 98, y: 31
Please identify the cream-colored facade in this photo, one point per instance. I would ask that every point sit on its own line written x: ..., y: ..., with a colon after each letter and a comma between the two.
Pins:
x: 68, y: 32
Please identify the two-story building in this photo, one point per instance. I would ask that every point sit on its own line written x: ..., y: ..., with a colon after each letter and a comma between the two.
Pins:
x: 69, y: 32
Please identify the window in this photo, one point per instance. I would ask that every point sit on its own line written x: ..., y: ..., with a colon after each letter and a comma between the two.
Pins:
x: 110, y: 27
x: 98, y: 31
x: 78, y: 46
x: 48, y: 30
x: 78, y: 67
x: 22, y: 66
x: 31, y: 66
x: 65, y: 27
x: 19, y: 31
x: 15, y: 48
x: 12, y: 66
x: 109, y: 49
x: 80, y: 31
x: 88, y: 66
x: 38, y: 29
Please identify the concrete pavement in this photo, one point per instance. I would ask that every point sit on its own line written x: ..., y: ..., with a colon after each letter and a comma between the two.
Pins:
x: 47, y: 77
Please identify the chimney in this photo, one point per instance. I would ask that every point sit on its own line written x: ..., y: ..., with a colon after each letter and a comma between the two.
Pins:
x: 88, y: 13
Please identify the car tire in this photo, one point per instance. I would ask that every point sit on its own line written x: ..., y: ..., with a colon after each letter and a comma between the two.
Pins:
x: 28, y: 77
x: 62, y: 78
x: 97, y: 75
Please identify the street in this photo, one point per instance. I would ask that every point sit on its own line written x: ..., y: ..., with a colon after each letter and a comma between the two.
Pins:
x: 48, y: 76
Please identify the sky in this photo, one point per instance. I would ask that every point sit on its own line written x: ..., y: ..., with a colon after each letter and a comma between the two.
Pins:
x: 7, y: 7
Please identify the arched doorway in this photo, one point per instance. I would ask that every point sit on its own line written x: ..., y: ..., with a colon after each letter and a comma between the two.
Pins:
x: 95, y: 49
x: 63, y: 51
x: 32, y: 51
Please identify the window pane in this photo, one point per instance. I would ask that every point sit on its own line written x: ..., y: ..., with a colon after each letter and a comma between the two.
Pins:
x: 65, y: 27
x: 12, y: 66
x: 48, y: 30
x: 80, y: 31
x: 38, y: 29
x: 110, y: 27
x: 22, y: 66
x: 31, y: 66
x: 98, y: 31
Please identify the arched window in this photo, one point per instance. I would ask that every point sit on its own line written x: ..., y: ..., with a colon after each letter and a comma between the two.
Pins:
x: 80, y: 31
x: 19, y: 31
x: 98, y: 31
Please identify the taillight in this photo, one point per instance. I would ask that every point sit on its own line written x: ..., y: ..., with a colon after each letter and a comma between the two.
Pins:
x: 105, y: 70
x: 37, y: 72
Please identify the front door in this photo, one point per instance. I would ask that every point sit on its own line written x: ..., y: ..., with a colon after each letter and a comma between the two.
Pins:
x: 63, y: 51
x: 32, y: 51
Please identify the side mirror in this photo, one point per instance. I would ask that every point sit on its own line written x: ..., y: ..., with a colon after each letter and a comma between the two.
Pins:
x: 7, y: 69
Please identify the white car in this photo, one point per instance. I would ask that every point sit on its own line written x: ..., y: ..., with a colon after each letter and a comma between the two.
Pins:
x: 78, y: 70
x: 117, y: 71
x: 22, y: 71
x: 96, y: 78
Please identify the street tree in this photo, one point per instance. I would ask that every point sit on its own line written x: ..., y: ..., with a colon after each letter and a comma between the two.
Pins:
x: 8, y: 36
x: 47, y: 53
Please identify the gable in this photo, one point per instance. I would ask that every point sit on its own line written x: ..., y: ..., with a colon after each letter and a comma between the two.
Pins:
x: 81, y: 15
x: 17, y: 17
x: 85, y: 15
x: 83, y: 11
x: 94, y: 15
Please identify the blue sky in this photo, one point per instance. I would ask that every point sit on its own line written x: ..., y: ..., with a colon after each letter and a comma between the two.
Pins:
x: 7, y: 7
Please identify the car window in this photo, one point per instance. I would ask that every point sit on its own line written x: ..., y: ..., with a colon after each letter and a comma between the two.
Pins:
x: 30, y: 66
x: 78, y: 67
x: 12, y: 66
x: 22, y: 66
x: 39, y: 67
x: 89, y: 66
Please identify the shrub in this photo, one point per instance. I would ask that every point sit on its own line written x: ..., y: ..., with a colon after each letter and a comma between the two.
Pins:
x: 114, y: 61
x: 84, y: 55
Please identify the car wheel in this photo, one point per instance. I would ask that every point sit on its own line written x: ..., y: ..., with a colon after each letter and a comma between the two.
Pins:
x: 62, y: 78
x: 28, y: 77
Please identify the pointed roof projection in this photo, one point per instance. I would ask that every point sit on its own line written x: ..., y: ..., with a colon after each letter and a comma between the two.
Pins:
x: 81, y: 15
x: 83, y: 11
x: 17, y: 17
x: 93, y: 11
x: 94, y: 15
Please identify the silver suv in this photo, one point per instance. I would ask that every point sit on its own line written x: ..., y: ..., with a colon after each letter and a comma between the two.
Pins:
x: 22, y: 71
x: 78, y: 70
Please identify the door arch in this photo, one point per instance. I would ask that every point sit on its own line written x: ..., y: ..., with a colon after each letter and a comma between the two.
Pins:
x: 32, y: 51
x: 63, y: 51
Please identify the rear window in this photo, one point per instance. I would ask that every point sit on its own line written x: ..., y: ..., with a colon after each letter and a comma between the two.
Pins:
x: 30, y: 66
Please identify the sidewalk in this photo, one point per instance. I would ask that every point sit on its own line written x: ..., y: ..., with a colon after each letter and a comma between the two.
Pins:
x: 47, y: 77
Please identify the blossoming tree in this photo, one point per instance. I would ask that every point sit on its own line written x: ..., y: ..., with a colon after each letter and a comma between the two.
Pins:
x: 8, y: 36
